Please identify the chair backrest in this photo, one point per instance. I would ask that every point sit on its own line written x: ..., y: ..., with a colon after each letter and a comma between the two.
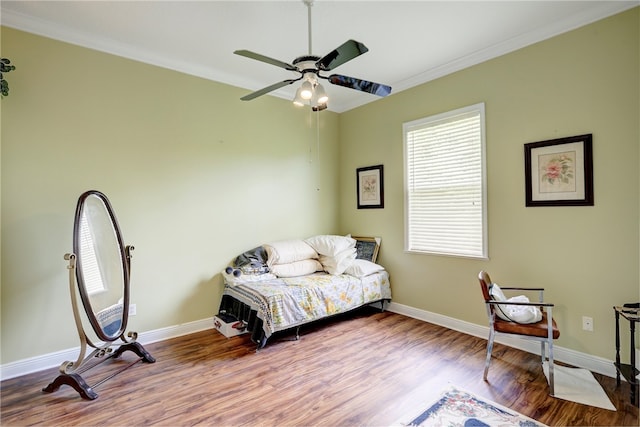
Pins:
x: 485, y: 284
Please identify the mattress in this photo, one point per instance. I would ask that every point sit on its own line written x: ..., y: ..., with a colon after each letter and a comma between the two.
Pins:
x: 283, y: 303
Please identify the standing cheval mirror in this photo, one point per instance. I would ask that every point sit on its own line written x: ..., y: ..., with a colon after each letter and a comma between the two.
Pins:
x: 99, y: 271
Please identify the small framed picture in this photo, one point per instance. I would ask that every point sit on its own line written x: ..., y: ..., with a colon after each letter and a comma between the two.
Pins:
x: 367, y: 247
x: 370, y: 186
x: 559, y: 172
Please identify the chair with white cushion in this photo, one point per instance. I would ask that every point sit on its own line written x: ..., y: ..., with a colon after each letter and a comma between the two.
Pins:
x: 518, y: 317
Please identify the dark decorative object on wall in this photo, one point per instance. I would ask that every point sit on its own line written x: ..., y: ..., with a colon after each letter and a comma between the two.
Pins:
x: 5, y: 67
x: 370, y: 187
x: 367, y: 247
x: 559, y: 172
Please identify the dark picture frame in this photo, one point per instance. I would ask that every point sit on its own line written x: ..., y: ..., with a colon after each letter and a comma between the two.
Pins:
x: 367, y: 247
x: 370, y: 187
x: 559, y: 172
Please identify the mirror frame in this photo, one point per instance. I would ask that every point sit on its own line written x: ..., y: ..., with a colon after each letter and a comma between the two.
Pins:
x: 124, y: 258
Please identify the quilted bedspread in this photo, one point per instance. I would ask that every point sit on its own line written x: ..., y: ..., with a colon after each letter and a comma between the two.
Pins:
x: 283, y: 303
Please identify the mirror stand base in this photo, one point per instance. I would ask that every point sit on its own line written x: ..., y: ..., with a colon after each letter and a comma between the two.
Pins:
x: 74, y: 380
x: 137, y: 348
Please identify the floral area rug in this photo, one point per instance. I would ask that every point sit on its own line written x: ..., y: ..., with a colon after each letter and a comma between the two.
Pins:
x: 460, y: 408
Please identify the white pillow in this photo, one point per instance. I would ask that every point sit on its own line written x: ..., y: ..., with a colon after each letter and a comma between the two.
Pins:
x: 496, y: 293
x: 330, y: 245
x: 515, y: 313
x: 337, y: 264
x: 297, y: 268
x: 362, y: 268
x: 288, y: 251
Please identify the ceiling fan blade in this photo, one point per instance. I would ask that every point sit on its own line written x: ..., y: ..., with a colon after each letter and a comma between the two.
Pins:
x: 346, y: 52
x: 268, y: 89
x: 362, y: 85
x: 259, y: 57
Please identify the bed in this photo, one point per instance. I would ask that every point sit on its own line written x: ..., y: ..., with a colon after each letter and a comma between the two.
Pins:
x: 284, y: 285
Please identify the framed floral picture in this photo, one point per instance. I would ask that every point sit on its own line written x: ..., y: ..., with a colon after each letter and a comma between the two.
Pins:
x: 559, y: 172
x: 370, y: 187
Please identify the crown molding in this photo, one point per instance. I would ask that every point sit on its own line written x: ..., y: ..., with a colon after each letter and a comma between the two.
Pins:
x: 551, y: 30
x: 51, y: 30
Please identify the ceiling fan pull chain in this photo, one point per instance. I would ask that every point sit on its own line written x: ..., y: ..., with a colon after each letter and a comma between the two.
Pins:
x: 318, y: 151
x: 311, y: 140
x: 318, y: 138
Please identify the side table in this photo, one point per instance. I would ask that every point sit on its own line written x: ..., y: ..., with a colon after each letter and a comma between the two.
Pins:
x: 630, y: 312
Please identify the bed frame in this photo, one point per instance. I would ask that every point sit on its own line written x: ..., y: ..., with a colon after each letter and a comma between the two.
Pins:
x: 254, y: 324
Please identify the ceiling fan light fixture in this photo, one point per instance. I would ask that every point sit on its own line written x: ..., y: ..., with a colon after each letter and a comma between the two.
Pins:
x: 306, y: 90
x: 319, y: 95
x: 297, y: 100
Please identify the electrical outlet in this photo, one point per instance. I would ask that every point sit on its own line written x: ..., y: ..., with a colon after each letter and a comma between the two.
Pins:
x: 132, y: 309
x: 587, y: 323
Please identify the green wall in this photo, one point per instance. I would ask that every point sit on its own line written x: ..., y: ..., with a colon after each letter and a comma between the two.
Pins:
x: 195, y: 176
x: 585, y: 81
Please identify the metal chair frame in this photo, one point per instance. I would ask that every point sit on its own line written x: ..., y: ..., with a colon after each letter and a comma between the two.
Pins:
x: 525, y: 331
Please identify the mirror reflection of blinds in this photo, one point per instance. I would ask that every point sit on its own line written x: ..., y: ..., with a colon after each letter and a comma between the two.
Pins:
x: 446, y: 201
x: 90, y: 268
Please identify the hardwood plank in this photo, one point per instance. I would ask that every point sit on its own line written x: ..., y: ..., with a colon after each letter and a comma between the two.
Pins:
x: 366, y: 368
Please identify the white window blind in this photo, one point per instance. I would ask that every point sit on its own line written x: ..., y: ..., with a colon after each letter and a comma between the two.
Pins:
x: 91, y: 269
x: 445, y: 204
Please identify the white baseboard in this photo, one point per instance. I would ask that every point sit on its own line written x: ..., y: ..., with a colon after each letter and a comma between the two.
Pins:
x: 51, y: 360
x: 565, y: 355
x: 574, y: 358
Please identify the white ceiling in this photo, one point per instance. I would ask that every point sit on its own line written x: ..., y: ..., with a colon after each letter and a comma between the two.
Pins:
x: 410, y: 42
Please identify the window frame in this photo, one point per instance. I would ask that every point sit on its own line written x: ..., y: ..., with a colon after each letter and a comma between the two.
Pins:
x: 407, y: 127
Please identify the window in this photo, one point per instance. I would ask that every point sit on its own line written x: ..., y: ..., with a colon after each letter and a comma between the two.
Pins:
x: 91, y: 269
x: 445, y: 184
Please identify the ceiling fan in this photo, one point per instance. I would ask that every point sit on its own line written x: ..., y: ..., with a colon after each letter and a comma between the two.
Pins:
x: 310, y: 67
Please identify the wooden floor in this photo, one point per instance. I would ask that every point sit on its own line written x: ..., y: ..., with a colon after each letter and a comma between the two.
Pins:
x: 366, y: 369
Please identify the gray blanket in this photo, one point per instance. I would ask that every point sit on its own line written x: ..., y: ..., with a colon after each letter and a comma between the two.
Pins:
x: 254, y: 260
